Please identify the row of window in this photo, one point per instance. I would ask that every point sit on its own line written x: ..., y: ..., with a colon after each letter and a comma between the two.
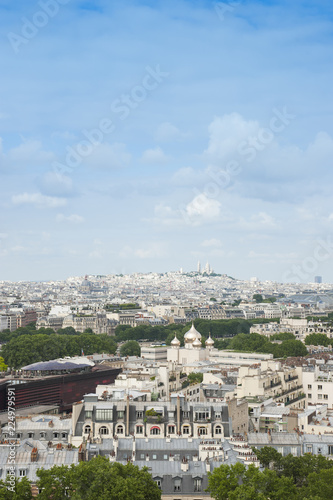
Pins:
x: 319, y: 387
x: 319, y: 396
x: 42, y: 435
x: 177, y: 484
x: 155, y: 430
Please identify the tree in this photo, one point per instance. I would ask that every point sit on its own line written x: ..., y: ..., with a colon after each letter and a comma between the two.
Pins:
x: 195, y: 378
x: 225, y: 479
x: 268, y: 455
x: 317, y: 339
x: 130, y: 348
x: 97, y: 479
x: 3, y: 366
x: 20, y: 491
x: 258, y: 298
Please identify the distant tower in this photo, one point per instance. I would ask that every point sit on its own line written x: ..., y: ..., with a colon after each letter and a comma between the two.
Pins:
x: 207, y: 268
x: 199, y: 267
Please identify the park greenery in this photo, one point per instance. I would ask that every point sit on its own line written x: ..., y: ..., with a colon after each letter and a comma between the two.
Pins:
x: 96, y: 479
x: 130, y: 348
x: 28, y: 345
x: 300, y: 478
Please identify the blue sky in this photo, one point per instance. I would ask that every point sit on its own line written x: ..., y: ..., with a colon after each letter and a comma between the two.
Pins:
x: 200, y: 130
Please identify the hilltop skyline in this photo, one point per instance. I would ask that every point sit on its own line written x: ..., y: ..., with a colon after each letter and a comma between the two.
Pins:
x: 145, y: 136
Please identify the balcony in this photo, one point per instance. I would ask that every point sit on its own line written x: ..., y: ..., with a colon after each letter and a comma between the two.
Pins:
x: 293, y: 389
x: 295, y: 377
x: 301, y: 396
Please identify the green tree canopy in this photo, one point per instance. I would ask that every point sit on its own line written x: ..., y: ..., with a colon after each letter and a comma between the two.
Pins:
x: 317, y: 339
x: 97, y: 479
x: 130, y: 348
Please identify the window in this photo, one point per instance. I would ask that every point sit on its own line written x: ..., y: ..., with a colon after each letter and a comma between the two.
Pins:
x: 155, y: 431
x: 139, y: 429
x: 103, y: 430
x: 171, y: 429
x: 330, y: 450
x: 55, y: 435
x: 87, y: 429
x: 177, y: 484
x: 142, y: 456
x: 309, y: 396
x: 120, y: 414
x: 30, y: 435
x: 63, y: 435
x: 186, y: 414
x: 309, y: 448
x: 217, y: 415
x: 139, y: 414
x: 89, y: 414
x: 154, y: 457
x: 320, y: 396
x: 42, y: 435
x: 197, y: 484
x: 23, y: 472
x: 309, y: 386
x: 171, y: 414
x: 325, y: 396
x: 320, y: 387
x: 158, y: 482
x: 218, y: 429
x: 294, y: 451
x: 120, y: 429
x: 202, y: 415
x: 202, y: 431
x: 165, y: 457
x: 104, y: 415
x: 19, y: 435
x: 319, y: 451
x: 186, y: 429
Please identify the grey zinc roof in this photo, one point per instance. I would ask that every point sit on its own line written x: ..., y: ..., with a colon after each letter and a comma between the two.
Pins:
x: 280, y: 438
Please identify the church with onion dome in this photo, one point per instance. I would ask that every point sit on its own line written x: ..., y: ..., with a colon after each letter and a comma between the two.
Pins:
x: 192, y: 351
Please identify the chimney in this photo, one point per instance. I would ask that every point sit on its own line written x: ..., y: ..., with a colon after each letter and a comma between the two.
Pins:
x: 178, y: 415
x: 127, y: 415
x: 34, y: 455
x: 184, y: 465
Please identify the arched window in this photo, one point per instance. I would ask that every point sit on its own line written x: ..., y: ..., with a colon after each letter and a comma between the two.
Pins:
x: 139, y: 429
x: 103, y: 430
x: 218, y: 429
x: 202, y: 431
x: 120, y: 429
x: 155, y: 431
x: 87, y: 429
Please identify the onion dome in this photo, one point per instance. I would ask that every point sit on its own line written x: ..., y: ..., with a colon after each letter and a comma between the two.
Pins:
x: 175, y: 342
x: 192, y: 334
x: 209, y: 342
x: 197, y: 344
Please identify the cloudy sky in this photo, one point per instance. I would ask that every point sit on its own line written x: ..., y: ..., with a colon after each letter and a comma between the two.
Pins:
x: 147, y: 135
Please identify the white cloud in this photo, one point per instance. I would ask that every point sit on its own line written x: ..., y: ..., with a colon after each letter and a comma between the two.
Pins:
x: 28, y: 153
x: 154, y: 156
x: 38, y: 200
x: 166, y: 132
x: 75, y: 219
x: 108, y: 156
x: 56, y: 184
x: 153, y: 250
x: 213, y: 242
x: 226, y: 134
x: 203, y: 207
